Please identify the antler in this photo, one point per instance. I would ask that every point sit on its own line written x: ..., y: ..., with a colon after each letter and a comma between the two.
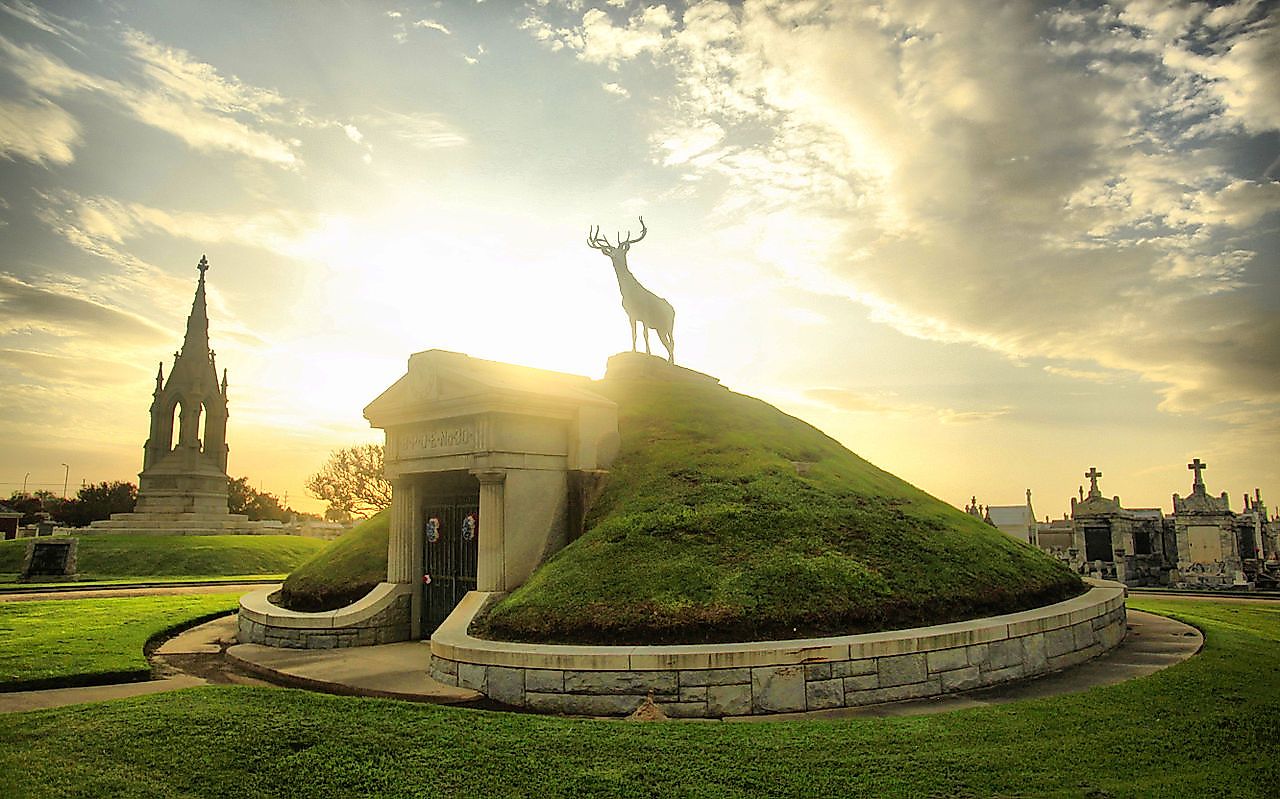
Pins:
x: 629, y: 241
x: 597, y: 242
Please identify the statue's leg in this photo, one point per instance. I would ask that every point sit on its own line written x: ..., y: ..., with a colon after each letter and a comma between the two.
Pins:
x: 633, y: 335
x: 647, y: 351
x: 669, y: 341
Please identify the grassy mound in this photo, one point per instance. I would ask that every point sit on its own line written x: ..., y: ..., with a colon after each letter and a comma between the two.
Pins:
x: 708, y: 531
x: 347, y: 569
x: 105, y: 556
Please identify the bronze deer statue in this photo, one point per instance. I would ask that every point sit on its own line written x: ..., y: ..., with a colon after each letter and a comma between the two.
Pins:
x: 641, y: 305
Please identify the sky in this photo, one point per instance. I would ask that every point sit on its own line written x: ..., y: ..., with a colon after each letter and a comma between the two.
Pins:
x: 985, y: 245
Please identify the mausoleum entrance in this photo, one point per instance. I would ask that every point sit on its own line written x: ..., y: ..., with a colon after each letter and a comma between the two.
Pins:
x: 450, y: 544
x: 1097, y: 544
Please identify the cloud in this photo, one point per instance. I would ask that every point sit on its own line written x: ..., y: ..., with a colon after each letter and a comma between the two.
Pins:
x: 860, y: 402
x: 48, y: 368
x: 61, y: 311
x: 598, y: 40
x: 424, y: 131
x: 615, y: 89
x: 176, y: 94
x: 38, y: 131
x: 1044, y: 183
x: 431, y: 24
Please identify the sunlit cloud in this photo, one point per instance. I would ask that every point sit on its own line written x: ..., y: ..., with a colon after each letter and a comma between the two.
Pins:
x: 890, y: 405
x: 989, y: 185
x: 38, y: 131
x: 60, y: 310
x: 179, y: 95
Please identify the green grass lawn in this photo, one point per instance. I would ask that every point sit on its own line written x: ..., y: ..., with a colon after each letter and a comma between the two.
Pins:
x: 1207, y: 727
x: 108, y: 556
x: 91, y: 641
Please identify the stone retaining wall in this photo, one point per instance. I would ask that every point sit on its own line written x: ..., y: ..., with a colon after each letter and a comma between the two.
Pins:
x: 779, y: 676
x: 380, y: 617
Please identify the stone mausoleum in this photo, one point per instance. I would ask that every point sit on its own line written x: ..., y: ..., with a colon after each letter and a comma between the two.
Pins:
x: 1202, y: 544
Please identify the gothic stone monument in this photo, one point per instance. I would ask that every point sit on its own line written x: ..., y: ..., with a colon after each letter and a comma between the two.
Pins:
x: 182, y: 488
x: 491, y: 466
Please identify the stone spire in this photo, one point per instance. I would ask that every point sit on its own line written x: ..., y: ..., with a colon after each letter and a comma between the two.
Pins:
x: 196, y: 343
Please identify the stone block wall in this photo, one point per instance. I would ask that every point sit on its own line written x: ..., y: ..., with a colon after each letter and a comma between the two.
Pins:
x: 381, y: 617
x: 781, y: 677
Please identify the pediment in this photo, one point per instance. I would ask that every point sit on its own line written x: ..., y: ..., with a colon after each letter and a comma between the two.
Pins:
x: 437, y: 378
x: 1096, y: 506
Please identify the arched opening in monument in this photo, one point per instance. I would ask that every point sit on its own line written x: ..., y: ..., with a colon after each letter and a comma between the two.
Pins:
x: 167, y: 421
x: 191, y: 427
x: 208, y: 420
x: 450, y: 528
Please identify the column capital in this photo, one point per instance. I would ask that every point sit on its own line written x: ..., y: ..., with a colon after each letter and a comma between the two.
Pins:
x: 490, y: 476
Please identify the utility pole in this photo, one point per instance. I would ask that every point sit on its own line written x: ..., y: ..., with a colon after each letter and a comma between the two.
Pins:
x: 65, y: 475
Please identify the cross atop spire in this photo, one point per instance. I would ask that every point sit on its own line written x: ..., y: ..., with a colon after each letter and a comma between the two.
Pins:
x: 1197, y: 485
x: 203, y: 266
x: 1093, y: 474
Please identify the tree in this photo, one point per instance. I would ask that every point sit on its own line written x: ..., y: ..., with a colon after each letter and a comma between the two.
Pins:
x: 257, y: 505
x: 97, y: 501
x: 352, y: 482
x: 33, y: 507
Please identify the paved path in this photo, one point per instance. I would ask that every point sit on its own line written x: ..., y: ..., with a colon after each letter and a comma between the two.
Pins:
x: 205, y: 655
x: 148, y: 590
x: 397, y: 671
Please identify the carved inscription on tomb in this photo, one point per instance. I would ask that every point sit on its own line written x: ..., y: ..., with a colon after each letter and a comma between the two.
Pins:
x: 438, y: 440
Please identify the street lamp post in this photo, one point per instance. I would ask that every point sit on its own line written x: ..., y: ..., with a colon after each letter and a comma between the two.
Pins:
x: 66, y: 474
x: 24, y: 483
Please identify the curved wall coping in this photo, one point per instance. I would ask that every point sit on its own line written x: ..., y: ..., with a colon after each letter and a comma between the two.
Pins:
x: 255, y: 606
x: 452, y: 642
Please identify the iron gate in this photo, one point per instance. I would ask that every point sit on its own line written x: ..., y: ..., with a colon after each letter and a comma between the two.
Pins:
x: 451, y: 530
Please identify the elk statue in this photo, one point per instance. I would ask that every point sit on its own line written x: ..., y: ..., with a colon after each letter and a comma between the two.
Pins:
x: 641, y: 305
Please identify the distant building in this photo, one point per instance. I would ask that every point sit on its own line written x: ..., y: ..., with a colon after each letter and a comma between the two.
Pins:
x: 9, y: 520
x: 1202, y: 544
x: 1018, y: 521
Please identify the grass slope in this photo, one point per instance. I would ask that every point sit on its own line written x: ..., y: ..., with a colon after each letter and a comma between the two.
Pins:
x: 1206, y: 727
x: 343, y: 571
x: 85, y: 641
x: 706, y: 531
x: 102, y: 556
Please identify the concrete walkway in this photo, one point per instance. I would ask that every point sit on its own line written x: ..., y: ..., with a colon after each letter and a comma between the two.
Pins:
x: 395, y: 671
x: 133, y: 590
x: 205, y: 655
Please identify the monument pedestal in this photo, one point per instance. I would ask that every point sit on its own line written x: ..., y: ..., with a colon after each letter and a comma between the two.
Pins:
x: 184, y: 524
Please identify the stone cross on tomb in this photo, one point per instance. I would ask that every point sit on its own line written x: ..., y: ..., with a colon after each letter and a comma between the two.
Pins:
x: 1093, y: 474
x: 1197, y: 467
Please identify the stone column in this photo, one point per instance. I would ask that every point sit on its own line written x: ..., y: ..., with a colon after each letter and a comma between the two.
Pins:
x: 491, y: 570
x: 401, y: 541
